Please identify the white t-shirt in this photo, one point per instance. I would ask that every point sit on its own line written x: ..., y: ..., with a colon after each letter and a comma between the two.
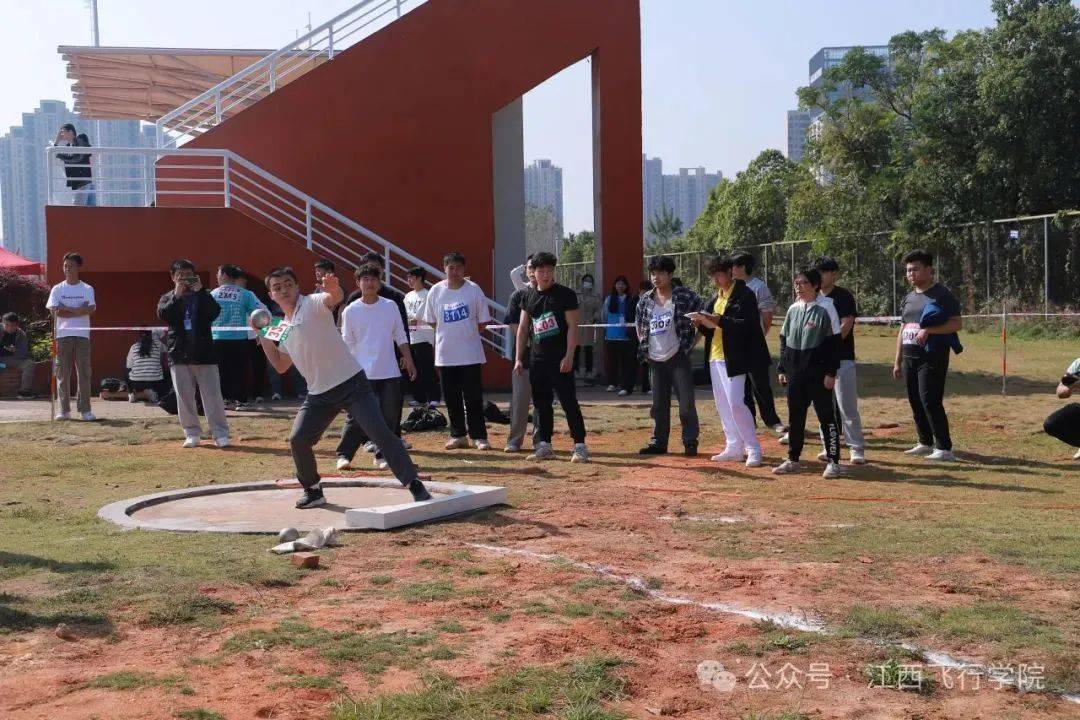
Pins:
x: 371, y: 332
x: 314, y: 343
x: 663, y: 338
x: 414, y: 310
x: 71, y: 296
x: 456, y: 315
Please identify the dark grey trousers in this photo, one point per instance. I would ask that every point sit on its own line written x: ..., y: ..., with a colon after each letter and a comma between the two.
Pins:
x: 674, y: 374
x: 318, y: 411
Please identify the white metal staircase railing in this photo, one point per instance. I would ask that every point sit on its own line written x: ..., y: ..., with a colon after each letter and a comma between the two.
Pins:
x: 198, y: 177
x: 258, y: 80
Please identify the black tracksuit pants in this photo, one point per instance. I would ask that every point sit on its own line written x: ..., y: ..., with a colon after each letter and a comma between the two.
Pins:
x: 925, y: 376
x: 804, y: 390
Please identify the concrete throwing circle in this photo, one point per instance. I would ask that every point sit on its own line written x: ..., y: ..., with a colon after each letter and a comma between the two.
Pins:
x: 257, y: 508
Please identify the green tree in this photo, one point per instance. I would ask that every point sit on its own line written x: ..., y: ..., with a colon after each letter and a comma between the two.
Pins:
x: 664, y: 227
x: 578, y: 247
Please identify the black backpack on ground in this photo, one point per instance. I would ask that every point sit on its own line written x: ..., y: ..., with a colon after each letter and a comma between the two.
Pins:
x: 424, y: 418
x: 494, y: 414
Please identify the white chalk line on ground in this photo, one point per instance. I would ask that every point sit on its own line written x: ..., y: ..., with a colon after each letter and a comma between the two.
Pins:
x: 1005, y: 676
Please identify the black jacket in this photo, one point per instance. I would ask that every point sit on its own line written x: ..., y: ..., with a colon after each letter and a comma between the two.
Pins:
x: 744, y: 340
x: 199, y: 348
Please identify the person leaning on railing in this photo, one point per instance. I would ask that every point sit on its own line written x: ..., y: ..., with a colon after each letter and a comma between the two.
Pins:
x: 1064, y: 424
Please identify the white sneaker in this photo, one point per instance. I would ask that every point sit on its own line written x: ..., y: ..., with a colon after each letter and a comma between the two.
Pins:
x: 222, y: 442
x: 833, y: 470
x: 622, y: 393
x: 344, y: 463
x: 823, y: 456
x: 788, y: 467
x: 482, y: 445
x: 580, y: 454
x: 131, y: 397
x: 729, y: 454
x: 414, y: 403
x: 1077, y: 455
x: 370, y: 447
x: 434, y: 403
x: 190, y: 442
x: 941, y: 456
x: 62, y: 416
x: 542, y: 451
x: 919, y: 450
x: 785, y: 439
x: 275, y: 397
x: 151, y: 396
x: 858, y: 456
x: 89, y: 416
x: 780, y: 429
x: 380, y: 464
x: 610, y: 388
x: 512, y: 448
x: 753, y: 460
x: 457, y: 443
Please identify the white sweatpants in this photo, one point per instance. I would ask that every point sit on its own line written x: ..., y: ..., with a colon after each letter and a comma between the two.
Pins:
x: 734, y: 415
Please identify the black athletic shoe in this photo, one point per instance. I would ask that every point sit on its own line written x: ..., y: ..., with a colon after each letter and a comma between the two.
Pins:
x: 419, y: 492
x: 311, y: 499
x: 690, y: 449
x: 653, y: 449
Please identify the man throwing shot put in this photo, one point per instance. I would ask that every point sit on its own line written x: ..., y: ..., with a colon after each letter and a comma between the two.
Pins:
x: 308, y: 338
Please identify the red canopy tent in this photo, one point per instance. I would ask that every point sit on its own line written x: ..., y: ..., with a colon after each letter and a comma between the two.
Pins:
x: 19, y: 264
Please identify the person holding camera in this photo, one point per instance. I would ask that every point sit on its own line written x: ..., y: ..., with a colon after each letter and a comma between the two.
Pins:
x: 1064, y: 424
x: 189, y: 310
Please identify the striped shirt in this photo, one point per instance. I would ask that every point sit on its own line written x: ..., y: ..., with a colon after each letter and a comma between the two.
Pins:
x: 145, y: 369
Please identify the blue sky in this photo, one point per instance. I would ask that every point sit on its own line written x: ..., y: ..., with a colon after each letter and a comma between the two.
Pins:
x: 718, y: 75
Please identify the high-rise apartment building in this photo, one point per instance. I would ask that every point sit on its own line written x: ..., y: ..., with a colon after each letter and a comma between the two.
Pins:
x: 544, y: 189
x: 799, y: 121
x: 685, y: 194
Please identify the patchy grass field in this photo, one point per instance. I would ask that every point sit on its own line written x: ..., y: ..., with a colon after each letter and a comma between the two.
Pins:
x: 496, y: 615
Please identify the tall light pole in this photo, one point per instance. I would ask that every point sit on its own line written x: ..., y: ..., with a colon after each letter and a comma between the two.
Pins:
x: 95, y: 35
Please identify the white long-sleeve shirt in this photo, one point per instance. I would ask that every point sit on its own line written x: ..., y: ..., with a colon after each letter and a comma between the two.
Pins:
x: 371, y: 332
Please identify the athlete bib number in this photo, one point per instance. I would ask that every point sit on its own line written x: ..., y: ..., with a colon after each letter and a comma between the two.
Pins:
x: 277, y: 330
x: 545, y: 326
x: 660, y: 324
x: 908, y: 333
x: 228, y: 295
x: 455, y: 312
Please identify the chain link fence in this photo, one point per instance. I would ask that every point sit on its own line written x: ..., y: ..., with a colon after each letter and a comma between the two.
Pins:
x: 1029, y: 265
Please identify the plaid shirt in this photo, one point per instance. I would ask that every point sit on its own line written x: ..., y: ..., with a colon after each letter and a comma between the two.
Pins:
x: 686, y: 301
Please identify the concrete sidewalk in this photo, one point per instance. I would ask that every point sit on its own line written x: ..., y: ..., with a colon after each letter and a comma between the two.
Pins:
x: 38, y: 410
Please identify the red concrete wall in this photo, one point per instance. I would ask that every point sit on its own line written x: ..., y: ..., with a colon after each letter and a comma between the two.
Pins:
x: 395, y: 132
x: 127, y: 252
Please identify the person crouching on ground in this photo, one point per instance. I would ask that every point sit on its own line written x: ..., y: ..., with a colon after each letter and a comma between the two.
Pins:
x: 189, y: 309
x: 550, y: 312
x: 809, y: 360
x: 309, y: 339
x: 735, y: 349
x: 1064, y: 424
